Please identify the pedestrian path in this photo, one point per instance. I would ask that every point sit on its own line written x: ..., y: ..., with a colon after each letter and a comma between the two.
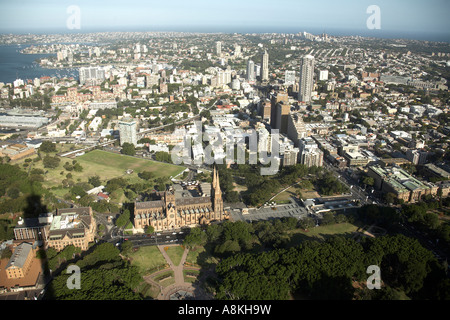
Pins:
x: 179, y: 284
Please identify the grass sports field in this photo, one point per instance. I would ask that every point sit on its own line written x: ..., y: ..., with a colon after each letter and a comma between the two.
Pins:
x: 106, y: 165
x: 109, y: 165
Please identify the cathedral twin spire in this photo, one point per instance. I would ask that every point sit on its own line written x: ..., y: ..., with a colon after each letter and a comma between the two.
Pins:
x: 215, y: 183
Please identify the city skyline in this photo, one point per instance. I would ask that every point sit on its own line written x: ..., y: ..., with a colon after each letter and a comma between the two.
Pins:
x: 411, y: 19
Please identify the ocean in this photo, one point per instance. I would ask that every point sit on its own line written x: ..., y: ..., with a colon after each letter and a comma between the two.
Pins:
x: 15, y: 65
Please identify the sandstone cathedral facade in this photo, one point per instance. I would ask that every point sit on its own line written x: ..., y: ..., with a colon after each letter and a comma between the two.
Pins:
x: 172, y: 213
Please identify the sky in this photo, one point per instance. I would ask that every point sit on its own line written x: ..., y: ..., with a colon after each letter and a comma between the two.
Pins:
x: 414, y: 17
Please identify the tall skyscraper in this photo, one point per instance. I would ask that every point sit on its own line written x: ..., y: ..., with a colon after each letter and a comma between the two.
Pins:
x: 279, y: 97
x: 265, y: 67
x: 128, y: 131
x: 251, y: 71
x: 306, y: 82
x: 219, y: 48
x: 283, y: 109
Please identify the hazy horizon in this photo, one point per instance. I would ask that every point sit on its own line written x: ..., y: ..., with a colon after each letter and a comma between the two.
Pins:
x: 414, y: 19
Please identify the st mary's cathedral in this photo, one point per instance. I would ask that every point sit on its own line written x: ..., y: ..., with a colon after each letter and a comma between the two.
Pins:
x: 173, y: 213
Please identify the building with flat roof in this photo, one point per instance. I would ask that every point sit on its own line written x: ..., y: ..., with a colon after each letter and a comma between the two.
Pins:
x: 393, y: 161
x: 35, y: 229
x: 290, y: 156
x: 310, y: 154
x: 127, y: 131
x: 22, y: 121
x: 265, y: 67
x: 16, y: 151
x: 444, y: 186
x: 397, y: 181
x: 355, y: 158
x: 296, y: 129
x: 306, y: 82
x: 437, y: 171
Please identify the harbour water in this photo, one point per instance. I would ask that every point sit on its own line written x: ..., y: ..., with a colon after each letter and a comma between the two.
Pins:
x: 15, y: 65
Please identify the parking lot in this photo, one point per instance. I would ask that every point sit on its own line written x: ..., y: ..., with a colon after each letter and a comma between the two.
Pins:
x: 271, y: 212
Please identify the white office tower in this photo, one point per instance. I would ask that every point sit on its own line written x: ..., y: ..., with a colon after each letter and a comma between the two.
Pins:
x: 91, y: 73
x: 251, y: 71
x: 265, y: 67
x: 128, y: 131
x: 289, y: 77
x: 235, y: 84
x: 323, y: 75
x: 306, y: 82
x: 257, y: 70
x: 237, y: 51
x: 97, y: 52
x: 219, y: 48
x: 223, y: 77
x: 346, y: 117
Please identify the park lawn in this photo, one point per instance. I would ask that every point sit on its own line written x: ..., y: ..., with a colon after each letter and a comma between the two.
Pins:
x: 175, y: 253
x: 321, y: 232
x: 286, y: 195
x: 109, y: 165
x: 309, y: 194
x: 147, y: 258
x: 201, y: 256
x: 167, y: 282
x: 193, y: 254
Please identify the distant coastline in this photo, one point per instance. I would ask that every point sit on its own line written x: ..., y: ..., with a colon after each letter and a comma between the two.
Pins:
x: 338, y: 32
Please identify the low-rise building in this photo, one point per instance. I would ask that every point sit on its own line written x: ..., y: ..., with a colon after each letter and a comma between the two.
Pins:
x: 74, y: 226
x: 16, y: 151
x: 397, y: 181
x: 23, y: 270
x: 20, y: 262
x: 444, y: 186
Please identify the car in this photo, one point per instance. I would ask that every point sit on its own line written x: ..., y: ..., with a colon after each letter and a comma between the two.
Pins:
x: 181, y: 232
x: 167, y: 236
x: 158, y: 234
x: 174, y: 233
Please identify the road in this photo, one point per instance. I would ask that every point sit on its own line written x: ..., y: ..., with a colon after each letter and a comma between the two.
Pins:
x: 357, y: 192
x: 426, y: 241
x: 158, y: 238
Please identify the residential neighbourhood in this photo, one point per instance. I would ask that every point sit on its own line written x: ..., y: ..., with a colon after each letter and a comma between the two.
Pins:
x: 222, y: 165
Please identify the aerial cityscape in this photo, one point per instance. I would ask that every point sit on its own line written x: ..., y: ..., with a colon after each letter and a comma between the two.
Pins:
x: 144, y: 159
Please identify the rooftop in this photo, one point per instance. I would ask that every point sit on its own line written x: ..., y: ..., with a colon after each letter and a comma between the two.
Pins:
x: 398, y: 178
x: 20, y: 255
